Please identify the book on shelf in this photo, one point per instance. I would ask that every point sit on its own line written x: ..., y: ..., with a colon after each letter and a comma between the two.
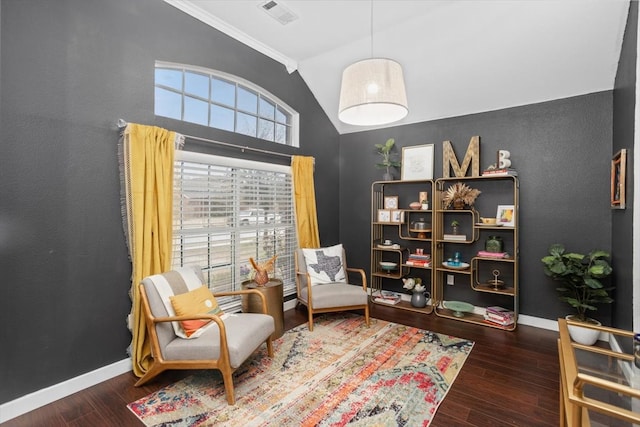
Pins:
x: 487, y: 254
x: 500, y: 172
x: 494, y: 324
x: 499, y: 315
x: 501, y: 322
x: 418, y: 263
x: 456, y: 237
x: 420, y: 256
x: 501, y: 311
x: 387, y: 297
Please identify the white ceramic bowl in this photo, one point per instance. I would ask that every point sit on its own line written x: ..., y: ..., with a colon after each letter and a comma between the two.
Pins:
x: 385, y: 265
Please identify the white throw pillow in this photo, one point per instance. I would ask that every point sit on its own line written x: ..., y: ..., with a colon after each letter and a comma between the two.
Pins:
x: 325, y: 265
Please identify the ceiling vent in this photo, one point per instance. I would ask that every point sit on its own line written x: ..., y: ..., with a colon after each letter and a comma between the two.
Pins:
x: 278, y: 11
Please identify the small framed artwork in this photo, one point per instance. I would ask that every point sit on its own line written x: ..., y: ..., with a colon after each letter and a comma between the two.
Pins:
x: 391, y: 202
x: 618, y: 179
x: 417, y: 162
x: 384, y: 215
x: 506, y: 215
x: 397, y: 216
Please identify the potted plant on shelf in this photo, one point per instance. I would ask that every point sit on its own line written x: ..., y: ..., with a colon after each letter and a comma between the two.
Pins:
x: 460, y: 195
x: 455, y: 226
x: 581, y: 285
x: 388, y: 161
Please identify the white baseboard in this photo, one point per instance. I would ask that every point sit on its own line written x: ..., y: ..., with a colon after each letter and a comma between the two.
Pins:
x: 537, y: 322
x: 42, y: 397
x: 291, y: 304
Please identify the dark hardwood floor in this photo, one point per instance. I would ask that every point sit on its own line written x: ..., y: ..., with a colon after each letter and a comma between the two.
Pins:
x: 509, y: 379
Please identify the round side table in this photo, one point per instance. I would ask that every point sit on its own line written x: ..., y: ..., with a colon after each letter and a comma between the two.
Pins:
x: 273, y: 293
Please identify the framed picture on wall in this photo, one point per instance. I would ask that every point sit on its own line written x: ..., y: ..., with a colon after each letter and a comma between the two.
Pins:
x: 417, y: 162
x: 618, y: 179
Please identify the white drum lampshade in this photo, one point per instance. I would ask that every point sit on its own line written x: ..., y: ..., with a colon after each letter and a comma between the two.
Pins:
x: 372, y: 93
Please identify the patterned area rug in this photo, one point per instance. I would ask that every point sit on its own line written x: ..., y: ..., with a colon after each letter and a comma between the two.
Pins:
x: 341, y: 373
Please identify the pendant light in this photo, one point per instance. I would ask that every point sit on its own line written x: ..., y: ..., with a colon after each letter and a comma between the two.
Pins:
x: 372, y: 91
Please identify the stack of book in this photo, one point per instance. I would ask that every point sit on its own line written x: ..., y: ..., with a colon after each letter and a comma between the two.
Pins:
x: 388, y: 297
x: 499, y: 315
x: 419, y: 260
x: 500, y: 172
x: 487, y: 254
x: 456, y: 237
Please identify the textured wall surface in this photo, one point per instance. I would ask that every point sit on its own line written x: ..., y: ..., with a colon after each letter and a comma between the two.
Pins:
x: 70, y: 70
x: 562, y: 152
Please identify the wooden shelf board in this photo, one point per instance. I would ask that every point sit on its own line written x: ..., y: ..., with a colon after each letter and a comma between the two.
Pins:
x: 473, y: 318
x: 489, y: 288
x: 406, y: 305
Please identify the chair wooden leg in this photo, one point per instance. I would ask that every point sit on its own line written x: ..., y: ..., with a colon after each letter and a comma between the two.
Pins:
x: 270, y: 346
x: 153, y: 372
x: 310, y: 318
x: 227, y: 377
x: 366, y: 316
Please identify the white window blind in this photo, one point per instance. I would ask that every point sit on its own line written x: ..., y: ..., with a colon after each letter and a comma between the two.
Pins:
x: 229, y: 210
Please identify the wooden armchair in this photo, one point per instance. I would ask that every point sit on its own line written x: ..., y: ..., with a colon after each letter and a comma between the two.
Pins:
x: 330, y: 296
x: 224, y: 345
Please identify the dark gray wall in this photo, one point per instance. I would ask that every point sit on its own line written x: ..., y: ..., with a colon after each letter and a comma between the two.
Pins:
x: 624, y: 102
x: 70, y: 69
x: 562, y: 151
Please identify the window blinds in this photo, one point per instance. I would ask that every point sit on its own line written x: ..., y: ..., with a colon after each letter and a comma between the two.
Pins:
x: 229, y: 210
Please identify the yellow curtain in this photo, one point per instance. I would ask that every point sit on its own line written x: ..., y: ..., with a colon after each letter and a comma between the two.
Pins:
x: 147, y: 155
x: 305, y: 202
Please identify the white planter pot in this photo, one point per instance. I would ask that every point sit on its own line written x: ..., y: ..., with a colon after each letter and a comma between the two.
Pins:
x: 581, y: 335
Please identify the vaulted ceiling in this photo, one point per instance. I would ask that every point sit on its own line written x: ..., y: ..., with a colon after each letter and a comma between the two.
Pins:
x: 459, y: 56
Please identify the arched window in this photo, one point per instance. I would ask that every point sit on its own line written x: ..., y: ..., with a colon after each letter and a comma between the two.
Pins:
x: 223, y: 101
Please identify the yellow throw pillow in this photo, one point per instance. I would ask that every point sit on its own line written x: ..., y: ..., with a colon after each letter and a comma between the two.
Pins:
x: 197, y: 301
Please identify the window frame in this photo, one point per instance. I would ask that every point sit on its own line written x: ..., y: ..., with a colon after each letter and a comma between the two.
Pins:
x: 277, y: 228
x: 239, y: 83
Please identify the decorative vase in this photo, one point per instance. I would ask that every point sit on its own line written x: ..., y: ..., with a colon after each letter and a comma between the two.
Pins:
x: 458, y: 204
x: 454, y: 229
x: 418, y: 299
x: 387, y: 177
x: 494, y: 244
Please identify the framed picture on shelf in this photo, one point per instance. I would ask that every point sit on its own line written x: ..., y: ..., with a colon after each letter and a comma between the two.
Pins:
x: 618, y: 179
x: 391, y: 202
x: 417, y: 162
x: 506, y: 215
x: 397, y: 216
x: 384, y: 215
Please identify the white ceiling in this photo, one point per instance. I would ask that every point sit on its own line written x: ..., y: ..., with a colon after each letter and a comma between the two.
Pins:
x: 459, y: 56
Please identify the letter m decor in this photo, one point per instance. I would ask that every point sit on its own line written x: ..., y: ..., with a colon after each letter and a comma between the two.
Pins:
x: 472, y: 154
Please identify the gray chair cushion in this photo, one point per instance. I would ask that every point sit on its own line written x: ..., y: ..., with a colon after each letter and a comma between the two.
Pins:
x: 335, y: 295
x: 242, y: 340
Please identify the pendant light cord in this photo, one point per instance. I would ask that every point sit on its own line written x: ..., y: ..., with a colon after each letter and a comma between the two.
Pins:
x: 371, y: 26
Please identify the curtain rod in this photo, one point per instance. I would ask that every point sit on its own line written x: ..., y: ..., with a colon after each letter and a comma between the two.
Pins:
x: 123, y: 123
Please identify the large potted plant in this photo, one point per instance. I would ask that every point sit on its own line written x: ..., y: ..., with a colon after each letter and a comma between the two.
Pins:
x: 388, y: 161
x: 581, y: 284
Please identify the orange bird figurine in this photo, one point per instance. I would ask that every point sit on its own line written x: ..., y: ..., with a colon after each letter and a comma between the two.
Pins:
x: 262, y: 277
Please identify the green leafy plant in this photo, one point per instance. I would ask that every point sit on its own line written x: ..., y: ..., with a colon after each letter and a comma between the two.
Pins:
x: 580, y: 276
x: 455, y: 223
x: 388, y: 160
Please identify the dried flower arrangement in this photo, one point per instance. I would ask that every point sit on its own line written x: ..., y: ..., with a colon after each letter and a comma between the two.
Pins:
x: 460, y: 193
